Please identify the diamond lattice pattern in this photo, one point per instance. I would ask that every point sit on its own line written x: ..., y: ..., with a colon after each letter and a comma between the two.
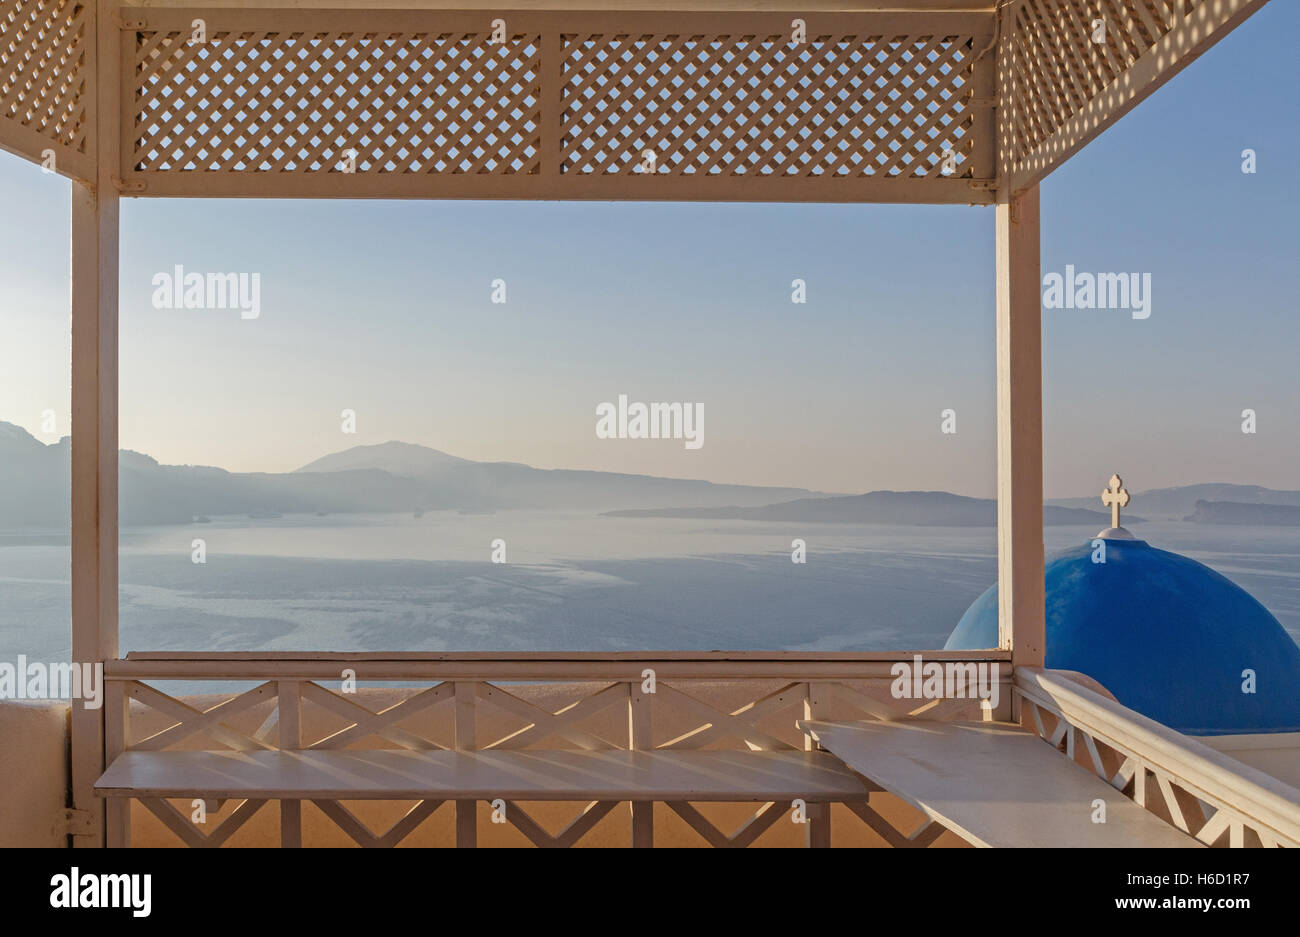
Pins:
x: 336, y: 102
x: 42, y: 68
x: 842, y: 105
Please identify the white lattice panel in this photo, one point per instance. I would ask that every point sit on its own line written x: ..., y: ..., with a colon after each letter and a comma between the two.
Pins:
x: 847, y: 105
x: 281, y: 102
x: 570, y: 105
x: 42, y: 69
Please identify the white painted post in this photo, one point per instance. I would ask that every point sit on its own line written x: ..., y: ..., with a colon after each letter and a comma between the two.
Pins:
x: 94, y: 278
x: 94, y: 472
x: 289, y: 713
x: 1020, y: 432
x: 466, y: 741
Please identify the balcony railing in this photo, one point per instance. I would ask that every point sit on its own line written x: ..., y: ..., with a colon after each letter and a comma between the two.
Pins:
x: 664, y: 702
x: 1217, y: 799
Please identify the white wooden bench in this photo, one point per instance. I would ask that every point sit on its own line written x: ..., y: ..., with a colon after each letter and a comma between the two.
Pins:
x: 605, y: 777
x: 483, y: 728
x: 993, y: 784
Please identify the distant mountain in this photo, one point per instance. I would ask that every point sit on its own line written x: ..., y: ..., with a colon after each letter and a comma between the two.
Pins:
x: 1238, y: 513
x: 15, y: 441
x: 398, y: 477
x: 451, y: 482
x: 389, y: 478
x: 915, y: 508
x: 34, y: 480
x: 1178, y: 503
x: 34, y: 488
x: 396, y: 458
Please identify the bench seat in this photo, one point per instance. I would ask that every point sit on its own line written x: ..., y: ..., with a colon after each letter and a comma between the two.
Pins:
x: 994, y: 784
x: 538, y: 775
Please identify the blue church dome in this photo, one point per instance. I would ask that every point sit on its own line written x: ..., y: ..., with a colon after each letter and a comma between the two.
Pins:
x: 1168, y: 636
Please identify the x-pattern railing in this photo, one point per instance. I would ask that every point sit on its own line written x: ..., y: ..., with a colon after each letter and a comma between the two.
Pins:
x: 762, y: 723
x: 1198, y: 790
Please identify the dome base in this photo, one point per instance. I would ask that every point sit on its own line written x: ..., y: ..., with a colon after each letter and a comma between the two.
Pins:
x: 1115, y: 533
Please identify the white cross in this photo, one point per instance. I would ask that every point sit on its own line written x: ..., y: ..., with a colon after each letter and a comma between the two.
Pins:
x: 1117, y: 497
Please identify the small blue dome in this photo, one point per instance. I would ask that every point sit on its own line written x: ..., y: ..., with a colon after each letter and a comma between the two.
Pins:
x: 1168, y: 636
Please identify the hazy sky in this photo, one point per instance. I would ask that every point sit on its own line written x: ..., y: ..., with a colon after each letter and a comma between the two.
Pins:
x: 385, y: 308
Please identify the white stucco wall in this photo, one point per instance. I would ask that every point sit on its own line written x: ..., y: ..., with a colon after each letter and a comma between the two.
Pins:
x: 33, y: 773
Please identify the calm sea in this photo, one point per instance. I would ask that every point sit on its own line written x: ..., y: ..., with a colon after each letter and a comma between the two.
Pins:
x: 571, y: 582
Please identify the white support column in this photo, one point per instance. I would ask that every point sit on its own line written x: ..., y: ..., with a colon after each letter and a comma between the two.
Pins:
x: 289, y: 704
x: 466, y: 741
x: 1020, y: 431
x: 94, y: 279
x: 94, y: 471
